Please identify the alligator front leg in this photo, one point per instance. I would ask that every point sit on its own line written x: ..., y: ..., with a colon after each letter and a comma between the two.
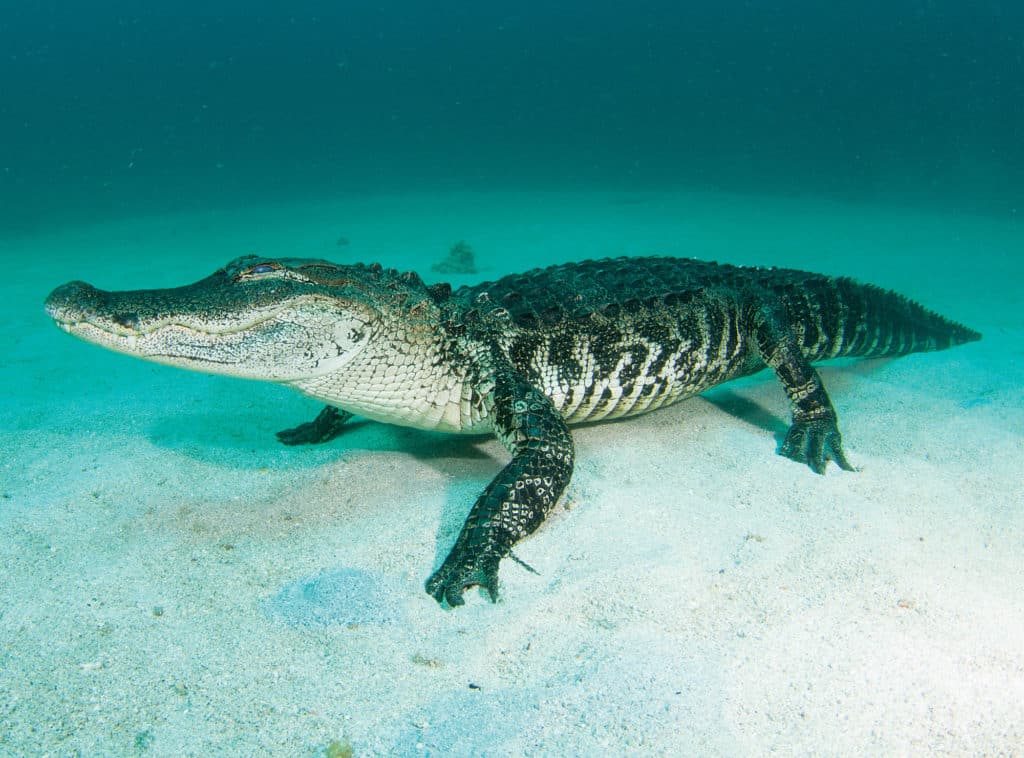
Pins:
x: 814, y: 437
x: 323, y: 428
x: 518, y: 499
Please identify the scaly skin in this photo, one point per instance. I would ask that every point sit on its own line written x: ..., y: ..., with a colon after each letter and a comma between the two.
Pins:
x: 523, y: 357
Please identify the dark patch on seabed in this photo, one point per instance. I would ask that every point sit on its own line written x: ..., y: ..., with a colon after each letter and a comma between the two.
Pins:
x: 344, y: 596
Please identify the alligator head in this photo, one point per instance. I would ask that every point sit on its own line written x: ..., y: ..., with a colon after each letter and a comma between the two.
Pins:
x: 281, y: 320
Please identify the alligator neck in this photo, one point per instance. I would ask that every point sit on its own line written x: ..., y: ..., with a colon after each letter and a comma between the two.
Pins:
x: 414, y: 383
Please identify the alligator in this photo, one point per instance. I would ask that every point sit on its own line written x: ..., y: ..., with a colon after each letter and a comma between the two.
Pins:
x: 523, y: 357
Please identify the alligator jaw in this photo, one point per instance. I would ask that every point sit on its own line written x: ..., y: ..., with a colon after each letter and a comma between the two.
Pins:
x: 84, y: 311
x: 279, y: 341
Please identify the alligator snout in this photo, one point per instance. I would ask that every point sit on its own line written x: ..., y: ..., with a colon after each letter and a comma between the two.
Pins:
x: 75, y: 301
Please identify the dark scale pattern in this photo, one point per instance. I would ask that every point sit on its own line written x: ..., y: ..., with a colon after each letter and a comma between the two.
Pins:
x: 526, y: 356
x: 616, y: 337
x: 515, y: 503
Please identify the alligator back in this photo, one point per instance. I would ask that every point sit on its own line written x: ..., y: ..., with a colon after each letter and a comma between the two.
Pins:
x: 616, y: 337
x: 831, y: 316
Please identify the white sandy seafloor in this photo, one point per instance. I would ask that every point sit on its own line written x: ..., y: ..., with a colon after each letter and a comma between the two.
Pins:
x: 174, y: 582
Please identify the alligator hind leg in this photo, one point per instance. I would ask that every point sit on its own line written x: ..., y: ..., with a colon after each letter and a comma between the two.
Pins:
x: 515, y: 503
x: 814, y: 437
x: 323, y: 428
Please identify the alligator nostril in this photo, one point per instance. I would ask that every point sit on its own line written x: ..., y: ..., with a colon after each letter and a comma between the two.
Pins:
x: 128, y: 320
x: 71, y: 299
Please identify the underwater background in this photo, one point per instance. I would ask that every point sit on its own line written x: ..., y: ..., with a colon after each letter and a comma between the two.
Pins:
x: 113, y: 108
x: 174, y: 582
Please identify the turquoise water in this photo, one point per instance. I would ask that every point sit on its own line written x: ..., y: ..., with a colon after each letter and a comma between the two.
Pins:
x: 175, y: 582
x: 113, y: 109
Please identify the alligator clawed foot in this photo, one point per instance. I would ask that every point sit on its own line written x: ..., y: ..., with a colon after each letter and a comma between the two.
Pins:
x: 814, y: 443
x: 323, y: 428
x: 458, y: 574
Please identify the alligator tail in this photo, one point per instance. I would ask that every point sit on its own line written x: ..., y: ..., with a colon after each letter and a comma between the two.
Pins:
x: 839, y: 317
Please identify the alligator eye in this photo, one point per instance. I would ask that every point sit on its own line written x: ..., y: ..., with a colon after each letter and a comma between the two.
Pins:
x: 259, y: 268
